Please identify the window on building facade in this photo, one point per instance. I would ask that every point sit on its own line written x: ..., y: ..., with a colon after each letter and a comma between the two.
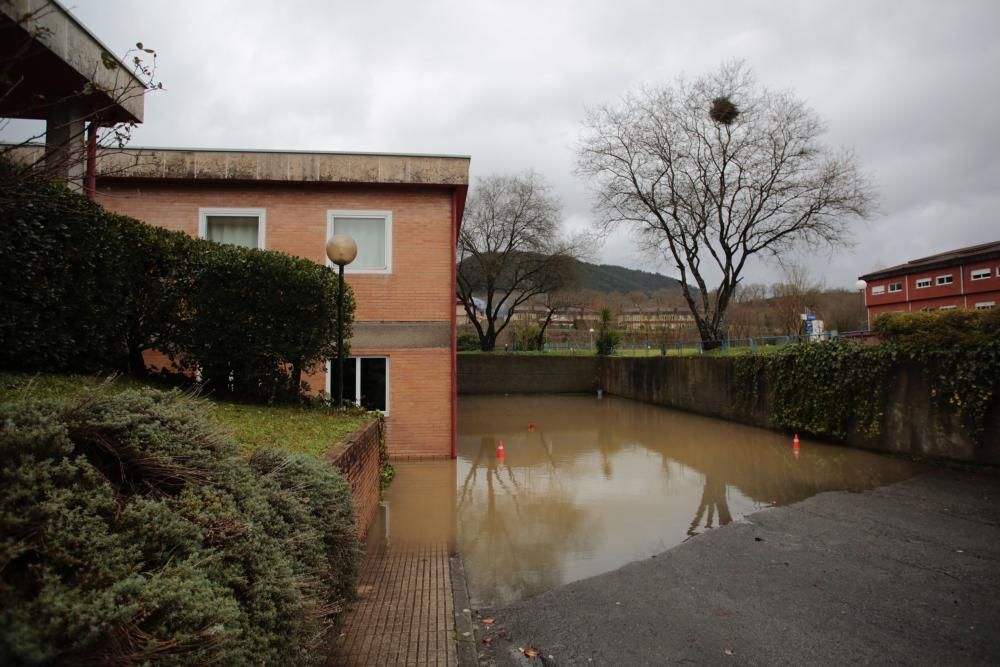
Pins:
x: 364, y: 377
x: 923, y: 282
x: 947, y: 308
x: 986, y: 305
x: 236, y: 226
x: 945, y: 280
x: 878, y: 289
x: 980, y: 274
x: 895, y: 287
x: 372, y: 231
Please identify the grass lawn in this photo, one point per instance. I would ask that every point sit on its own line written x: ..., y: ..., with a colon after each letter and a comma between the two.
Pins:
x: 306, y: 430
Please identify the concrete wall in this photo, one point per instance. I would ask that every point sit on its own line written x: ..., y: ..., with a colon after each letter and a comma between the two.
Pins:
x: 357, y: 458
x: 913, y: 425
x: 500, y: 373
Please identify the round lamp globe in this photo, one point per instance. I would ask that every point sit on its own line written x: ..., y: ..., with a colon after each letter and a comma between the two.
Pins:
x: 341, y: 249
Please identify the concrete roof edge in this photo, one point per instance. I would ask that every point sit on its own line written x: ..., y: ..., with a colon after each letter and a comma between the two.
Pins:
x: 179, y: 164
x: 96, y: 39
x: 281, y: 151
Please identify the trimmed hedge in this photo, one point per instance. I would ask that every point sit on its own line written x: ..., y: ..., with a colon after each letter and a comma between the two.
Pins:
x: 82, y: 289
x: 132, y: 531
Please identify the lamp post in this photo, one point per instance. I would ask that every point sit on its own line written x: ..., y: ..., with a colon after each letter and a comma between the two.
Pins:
x: 341, y: 250
x: 591, y: 338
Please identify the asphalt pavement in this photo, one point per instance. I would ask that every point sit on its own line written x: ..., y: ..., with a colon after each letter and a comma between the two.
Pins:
x: 905, y: 574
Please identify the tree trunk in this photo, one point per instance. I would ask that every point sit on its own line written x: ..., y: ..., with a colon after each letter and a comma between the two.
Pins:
x: 136, y: 364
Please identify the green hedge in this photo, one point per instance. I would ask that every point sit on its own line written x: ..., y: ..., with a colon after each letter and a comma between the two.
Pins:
x: 960, y: 352
x: 132, y: 531
x: 82, y: 289
x: 824, y: 389
x: 828, y: 389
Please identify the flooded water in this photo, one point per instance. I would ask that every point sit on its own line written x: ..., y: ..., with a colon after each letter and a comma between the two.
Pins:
x: 588, y: 485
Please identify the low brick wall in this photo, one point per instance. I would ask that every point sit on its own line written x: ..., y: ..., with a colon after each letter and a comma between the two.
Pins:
x: 501, y: 373
x: 357, y: 458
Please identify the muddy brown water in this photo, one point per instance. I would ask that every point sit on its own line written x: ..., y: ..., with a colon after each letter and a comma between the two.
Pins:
x: 587, y: 485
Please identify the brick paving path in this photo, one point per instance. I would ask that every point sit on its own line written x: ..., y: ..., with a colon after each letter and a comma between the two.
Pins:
x: 404, y: 614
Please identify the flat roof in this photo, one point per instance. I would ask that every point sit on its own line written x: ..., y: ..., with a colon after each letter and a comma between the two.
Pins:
x: 198, y: 164
x: 55, y: 55
x: 974, y: 253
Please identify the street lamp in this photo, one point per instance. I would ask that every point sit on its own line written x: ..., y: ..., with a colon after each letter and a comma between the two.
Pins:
x: 341, y: 250
x: 591, y: 338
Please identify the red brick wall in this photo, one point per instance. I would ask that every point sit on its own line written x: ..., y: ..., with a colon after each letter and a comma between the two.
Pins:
x: 420, y: 287
x: 357, y: 458
x: 419, y: 420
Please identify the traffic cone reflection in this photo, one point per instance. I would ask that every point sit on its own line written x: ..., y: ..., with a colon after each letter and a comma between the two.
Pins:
x: 531, y: 426
x: 499, y: 449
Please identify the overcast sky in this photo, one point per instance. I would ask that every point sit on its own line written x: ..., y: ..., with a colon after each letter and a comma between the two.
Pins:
x: 912, y: 87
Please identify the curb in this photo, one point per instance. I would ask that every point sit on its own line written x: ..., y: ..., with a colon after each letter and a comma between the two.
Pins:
x: 465, y: 630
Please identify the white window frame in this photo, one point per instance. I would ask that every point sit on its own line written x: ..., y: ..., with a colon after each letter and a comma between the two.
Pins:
x: 983, y: 274
x: 940, y: 280
x: 878, y: 289
x: 926, y: 283
x: 948, y: 308
x: 332, y: 214
x: 986, y: 305
x: 357, y: 377
x: 898, y: 286
x: 260, y: 213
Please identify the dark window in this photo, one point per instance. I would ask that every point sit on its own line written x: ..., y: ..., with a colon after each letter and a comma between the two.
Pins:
x: 373, y: 383
x: 367, y: 376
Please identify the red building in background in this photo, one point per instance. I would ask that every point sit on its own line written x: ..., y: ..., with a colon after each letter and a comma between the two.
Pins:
x: 963, y: 278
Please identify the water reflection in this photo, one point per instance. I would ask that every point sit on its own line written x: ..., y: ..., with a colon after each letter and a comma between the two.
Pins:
x: 586, y: 486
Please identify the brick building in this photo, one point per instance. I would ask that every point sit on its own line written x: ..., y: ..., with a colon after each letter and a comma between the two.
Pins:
x: 963, y: 278
x: 404, y: 211
x: 642, y: 319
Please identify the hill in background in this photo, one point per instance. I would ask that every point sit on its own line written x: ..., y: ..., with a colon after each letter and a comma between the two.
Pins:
x: 609, y: 278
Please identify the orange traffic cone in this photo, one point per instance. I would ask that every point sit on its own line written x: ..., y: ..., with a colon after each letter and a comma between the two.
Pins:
x: 795, y: 440
x: 499, y: 449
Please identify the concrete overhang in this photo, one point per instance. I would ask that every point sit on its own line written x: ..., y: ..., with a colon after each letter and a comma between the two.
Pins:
x: 283, y: 166
x: 52, y: 57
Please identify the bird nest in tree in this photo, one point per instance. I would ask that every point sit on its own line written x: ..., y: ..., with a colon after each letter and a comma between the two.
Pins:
x: 723, y: 110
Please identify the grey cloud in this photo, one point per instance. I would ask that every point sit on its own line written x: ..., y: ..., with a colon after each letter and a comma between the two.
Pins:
x: 912, y: 87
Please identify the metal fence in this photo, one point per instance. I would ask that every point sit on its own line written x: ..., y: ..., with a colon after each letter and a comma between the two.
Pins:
x: 639, y: 348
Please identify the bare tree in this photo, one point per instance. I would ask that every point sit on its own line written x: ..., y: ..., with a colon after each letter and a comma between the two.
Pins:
x: 715, y: 171
x: 796, y: 294
x: 511, y: 249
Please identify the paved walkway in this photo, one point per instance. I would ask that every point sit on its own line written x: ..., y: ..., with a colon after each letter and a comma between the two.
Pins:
x: 404, y: 615
x: 905, y: 574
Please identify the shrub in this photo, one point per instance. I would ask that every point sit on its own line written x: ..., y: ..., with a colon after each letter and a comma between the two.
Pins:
x: 467, y: 342
x: 822, y: 388
x: 59, y: 302
x: 607, y: 338
x: 133, y: 532
x: 82, y: 289
x: 960, y: 353
x: 528, y: 337
x: 257, y: 320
